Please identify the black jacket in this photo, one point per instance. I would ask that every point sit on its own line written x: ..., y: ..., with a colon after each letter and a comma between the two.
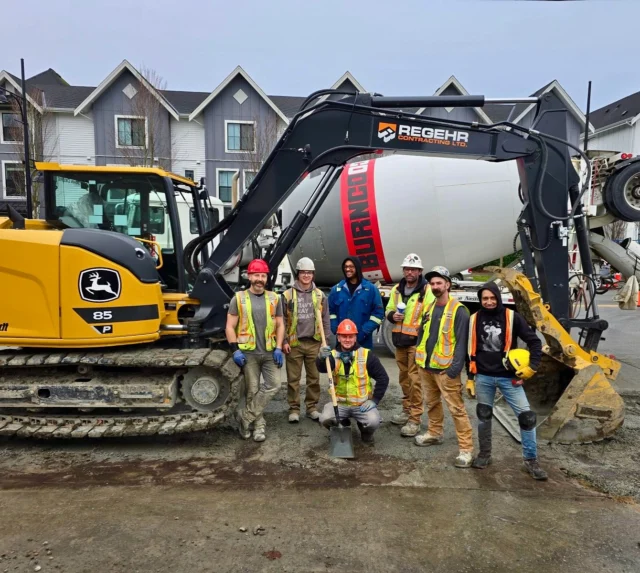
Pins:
x: 400, y: 339
x: 490, y: 332
x: 374, y: 368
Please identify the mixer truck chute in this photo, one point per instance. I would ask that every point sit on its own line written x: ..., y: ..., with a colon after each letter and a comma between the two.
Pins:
x: 327, y: 134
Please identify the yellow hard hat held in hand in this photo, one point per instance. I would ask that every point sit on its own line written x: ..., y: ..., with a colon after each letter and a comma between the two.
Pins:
x: 517, y: 361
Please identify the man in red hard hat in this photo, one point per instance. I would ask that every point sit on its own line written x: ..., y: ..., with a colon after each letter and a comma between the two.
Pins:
x: 353, y: 368
x: 255, y: 331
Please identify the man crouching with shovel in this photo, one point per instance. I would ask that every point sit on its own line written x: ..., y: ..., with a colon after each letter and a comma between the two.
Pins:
x: 352, y: 368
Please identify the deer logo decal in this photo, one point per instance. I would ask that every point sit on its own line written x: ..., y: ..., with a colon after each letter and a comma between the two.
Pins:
x: 99, y: 285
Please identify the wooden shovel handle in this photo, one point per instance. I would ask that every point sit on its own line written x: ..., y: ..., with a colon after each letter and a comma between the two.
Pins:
x: 332, y: 390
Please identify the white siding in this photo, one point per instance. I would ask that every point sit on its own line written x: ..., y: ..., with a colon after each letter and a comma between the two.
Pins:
x: 76, y: 142
x: 51, y: 138
x: 620, y: 139
x: 187, y: 148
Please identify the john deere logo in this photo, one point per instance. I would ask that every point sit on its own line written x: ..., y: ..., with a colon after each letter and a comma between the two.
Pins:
x: 387, y: 131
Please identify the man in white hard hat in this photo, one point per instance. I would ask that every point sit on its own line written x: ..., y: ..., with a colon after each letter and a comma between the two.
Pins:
x: 404, y: 310
x: 302, y: 338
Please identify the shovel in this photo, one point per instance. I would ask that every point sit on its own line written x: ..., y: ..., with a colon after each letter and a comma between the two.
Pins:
x: 340, y: 437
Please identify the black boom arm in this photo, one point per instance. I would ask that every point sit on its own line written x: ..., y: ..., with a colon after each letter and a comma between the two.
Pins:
x: 330, y: 133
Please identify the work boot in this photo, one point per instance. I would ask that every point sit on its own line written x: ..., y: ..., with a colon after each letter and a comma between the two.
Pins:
x: 534, y: 469
x: 400, y: 419
x: 410, y: 429
x: 464, y: 460
x: 483, y: 459
x: 243, y: 426
x: 294, y: 417
x: 259, y: 435
x: 427, y: 439
x: 366, y: 435
x: 313, y: 415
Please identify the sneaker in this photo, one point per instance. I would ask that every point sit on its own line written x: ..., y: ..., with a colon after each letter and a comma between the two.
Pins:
x: 464, y: 460
x: 427, y: 439
x: 259, y: 435
x: 410, y: 429
x: 400, y: 419
x: 534, y: 469
x: 481, y: 461
x: 313, y: 415
x: 243, y: 426
x: 294, y: 417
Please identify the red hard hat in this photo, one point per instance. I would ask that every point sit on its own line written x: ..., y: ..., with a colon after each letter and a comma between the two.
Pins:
x: 258, y: 266
x: 347, y: 327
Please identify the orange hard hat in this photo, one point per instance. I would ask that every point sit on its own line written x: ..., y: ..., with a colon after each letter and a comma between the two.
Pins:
x: 347, y: 327
x: 258, y: 266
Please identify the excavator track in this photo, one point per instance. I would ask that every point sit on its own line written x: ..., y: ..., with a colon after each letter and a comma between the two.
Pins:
x: 23, y: 371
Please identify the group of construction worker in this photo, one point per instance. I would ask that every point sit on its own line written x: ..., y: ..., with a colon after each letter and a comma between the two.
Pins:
x: 435, y: 340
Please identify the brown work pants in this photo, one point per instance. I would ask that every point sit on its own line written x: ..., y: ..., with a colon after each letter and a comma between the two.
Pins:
x: 412, y: 394
x: 305, y: 353
x: 437, y: 386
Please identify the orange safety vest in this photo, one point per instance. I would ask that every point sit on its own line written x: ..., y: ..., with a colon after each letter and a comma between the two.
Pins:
x: 473, y: 338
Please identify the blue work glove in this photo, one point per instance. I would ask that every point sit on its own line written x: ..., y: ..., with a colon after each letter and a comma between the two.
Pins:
x: 278, y: 357
x: 239, y: 358
x: 325, y: 352
x: 368, y: 405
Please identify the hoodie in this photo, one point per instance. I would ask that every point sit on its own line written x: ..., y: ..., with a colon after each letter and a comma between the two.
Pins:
x: 361, y: 303
x: 356, y: 263
x: 490, y: 331
x: 374, y: 369
x: 401, y: 339
x: 306, y: 326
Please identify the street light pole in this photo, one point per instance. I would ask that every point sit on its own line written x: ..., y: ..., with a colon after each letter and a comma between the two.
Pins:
x: 25, y: 137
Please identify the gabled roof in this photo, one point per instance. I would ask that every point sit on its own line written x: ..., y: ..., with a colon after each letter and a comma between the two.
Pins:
x: 288, y: 104
x: 238, y: 72
x: 348, y: 76
x: 562, y: 94
x: 185, y: 102
x: 622, y: 110
x: 125, y: 65
x: 47, y: 78
x: 453, y: 82
x: 16, y: 83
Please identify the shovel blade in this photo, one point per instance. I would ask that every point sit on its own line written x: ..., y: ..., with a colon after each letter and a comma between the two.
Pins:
x: 341, y: 442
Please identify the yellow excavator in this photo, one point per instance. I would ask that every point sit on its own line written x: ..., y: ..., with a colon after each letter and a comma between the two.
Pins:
x: 110, y: 332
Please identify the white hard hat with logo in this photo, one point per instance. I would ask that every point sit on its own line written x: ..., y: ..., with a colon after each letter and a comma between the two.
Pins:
x: 412, y: 261
x: 305, y: 264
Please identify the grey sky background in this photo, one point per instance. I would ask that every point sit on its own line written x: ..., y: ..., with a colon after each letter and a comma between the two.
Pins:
x: 494, y: 47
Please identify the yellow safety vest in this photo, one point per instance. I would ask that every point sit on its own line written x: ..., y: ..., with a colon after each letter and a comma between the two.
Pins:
x: 354, y: 389
x: 442, y: 355
x: 410, y: 325
x: 291, y: 316
x: 245, y: 329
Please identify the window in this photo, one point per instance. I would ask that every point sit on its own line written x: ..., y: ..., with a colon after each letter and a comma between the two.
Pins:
x: 225, y: 185
x: 190, y: 174
x: 13, y: 183
x: 131, y: 131
x: 11, y: 127
x: 249, y: 176
x: 240, y: 136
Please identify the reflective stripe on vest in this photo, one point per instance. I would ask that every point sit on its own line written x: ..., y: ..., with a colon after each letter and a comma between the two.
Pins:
x: 246, y: 330
x: 354, y: 389
x: 442, y: 355
x: 473, y: 338
x: 410, y: 324
x: 291, y: 316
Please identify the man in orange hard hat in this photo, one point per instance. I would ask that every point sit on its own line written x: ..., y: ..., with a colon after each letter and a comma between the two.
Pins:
x: 255, y: 332
x: 353, y: 367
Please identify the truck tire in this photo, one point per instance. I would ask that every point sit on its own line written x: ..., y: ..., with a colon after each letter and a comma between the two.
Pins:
x: 622, y: 193
x: 385, y: 334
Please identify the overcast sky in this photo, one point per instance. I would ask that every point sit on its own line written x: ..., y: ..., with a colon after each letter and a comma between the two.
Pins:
x: 494, y: 47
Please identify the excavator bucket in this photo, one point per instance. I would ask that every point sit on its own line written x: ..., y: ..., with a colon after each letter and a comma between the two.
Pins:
x: 571, y: 392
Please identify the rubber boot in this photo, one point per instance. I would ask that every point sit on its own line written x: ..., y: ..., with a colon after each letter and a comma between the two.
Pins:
x: 483, y: 459
x: 366, y: 435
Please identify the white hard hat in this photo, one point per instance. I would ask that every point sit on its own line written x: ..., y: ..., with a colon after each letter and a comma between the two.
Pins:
x: 305, y: 264
x: 412, y: 260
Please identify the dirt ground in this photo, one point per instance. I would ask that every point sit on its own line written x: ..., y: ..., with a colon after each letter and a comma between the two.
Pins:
x: 213, y: 502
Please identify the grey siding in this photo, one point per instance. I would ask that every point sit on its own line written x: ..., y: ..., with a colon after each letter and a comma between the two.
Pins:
x: 346, y: 86
x: 574, y: 127
x: 114, y: 102
x: 456, y: 114
x: 225, y: 107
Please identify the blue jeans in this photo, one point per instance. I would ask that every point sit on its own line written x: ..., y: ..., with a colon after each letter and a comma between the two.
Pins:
x: 515, y: 397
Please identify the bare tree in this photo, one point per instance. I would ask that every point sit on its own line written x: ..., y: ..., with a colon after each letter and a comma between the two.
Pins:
x: 145, y: 135
x: 43, y: 142
x: 616, y: 231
